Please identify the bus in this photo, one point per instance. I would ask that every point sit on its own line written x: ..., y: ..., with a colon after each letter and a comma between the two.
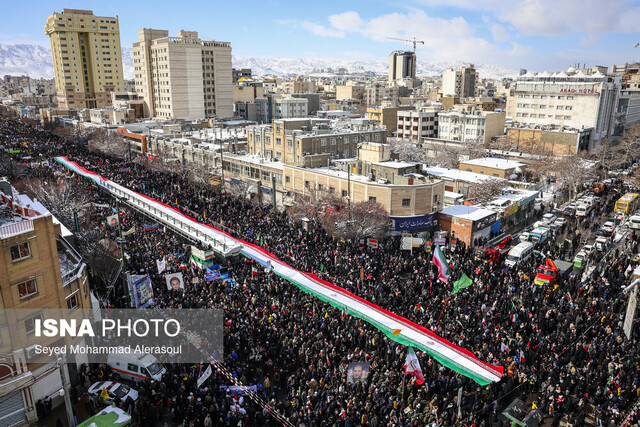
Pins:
x: 627, y: 204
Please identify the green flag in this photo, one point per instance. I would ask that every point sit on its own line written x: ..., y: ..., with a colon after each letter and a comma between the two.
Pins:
x: 461, y: 283
x: 321, y: 267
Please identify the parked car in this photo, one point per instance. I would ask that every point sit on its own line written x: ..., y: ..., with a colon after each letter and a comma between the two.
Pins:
x: 560, y: 222
x: 587, y: 249
x: 609, y: 227
x: 580, y: 259
x: 549, y: 218
x: 114, y: 390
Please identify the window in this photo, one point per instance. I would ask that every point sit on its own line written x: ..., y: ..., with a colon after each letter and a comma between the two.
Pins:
x: 377, y: 137
x: 518, y: 114
x: 320, y: 187
x: 287, y: 179
x: 372, y: 199
x: 323, y: 142
x: 406, y: 203
x: 569, y: 98
x: 27, y: 289
x: 435, y: 199
x: 306, y: 184
x: 278, y: 141
x: 344, y: 193
x: 131, y: 367
x: 542, y: 107
x: 568, y: 107
x: 533, y: 116
x: 559, y: 107
x: 30, y: 323
x: 333, y: 141
x: 20, y: 252
x: 332, y: 190
x: 72, y: 302
x: 560, y: 97
x: 544, y: 96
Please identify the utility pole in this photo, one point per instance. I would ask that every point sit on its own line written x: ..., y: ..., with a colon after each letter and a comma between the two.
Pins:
x: 349, y: 190
x: 124, y: 262
x: 62, y: 362
x: 75, y: 220
x: 273, y: 190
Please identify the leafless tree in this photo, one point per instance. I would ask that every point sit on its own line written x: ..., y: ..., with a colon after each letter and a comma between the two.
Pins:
x: 60, y: 197
x: 109, y: 143
x: 366, y: 219
x: 407, y: 150
x: 472, y: 149
x: 486, y: 190
x: 313, y: 205
x: 570, y: 172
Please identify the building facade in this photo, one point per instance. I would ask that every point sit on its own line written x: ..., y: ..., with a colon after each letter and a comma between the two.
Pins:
x: 402, y: 65
x: 470, y: 126
x: 87, y: 58
x: 293, y: 141
x: 183, y: 77
x: 271, y: 108
x: 387, y: 116
x: 460, y: 82
x: 376, y: 93
x: 577, y: 101
x: 39, y: 270
x: 417, y: 125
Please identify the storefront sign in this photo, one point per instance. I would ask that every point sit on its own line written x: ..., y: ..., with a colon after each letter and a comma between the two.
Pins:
x: 401, y: 223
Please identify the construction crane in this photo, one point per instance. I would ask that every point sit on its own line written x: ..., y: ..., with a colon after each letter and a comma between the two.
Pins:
x: 414, y: 41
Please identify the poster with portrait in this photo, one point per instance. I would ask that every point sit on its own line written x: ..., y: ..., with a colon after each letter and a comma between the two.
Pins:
x: 141, y: 290
x: 112, y: 221
x: 357, y: 372
x: 175, y: 281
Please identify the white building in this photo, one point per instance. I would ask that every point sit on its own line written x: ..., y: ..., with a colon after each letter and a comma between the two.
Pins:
x: 183, y: 77
x: 460, y: 82
x: 271, y: 108
x: 575, y: 100
x: 417, y: 125
x: 477, y: 125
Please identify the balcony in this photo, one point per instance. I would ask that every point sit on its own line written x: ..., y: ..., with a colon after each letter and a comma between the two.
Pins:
x: 15, y: 229
x: 71, y: 264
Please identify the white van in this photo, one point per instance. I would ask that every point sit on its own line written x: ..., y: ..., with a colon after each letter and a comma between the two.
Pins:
x: 135, y: 366
x: 519, y: 253
x: 634, y: 222
x: 583, y: 210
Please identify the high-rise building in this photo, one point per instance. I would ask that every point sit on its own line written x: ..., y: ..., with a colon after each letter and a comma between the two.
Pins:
x: 183, y: 77
x: 402, y: 65
x: 87, y: 59
x: 460, y: 82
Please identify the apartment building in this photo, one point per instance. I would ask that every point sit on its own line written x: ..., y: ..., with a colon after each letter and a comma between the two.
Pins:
x: 402, y: 65
x: 376, y: 93
x: 458, y: 125
x: 39, y: 270
x: 349, y: 92
x: 296, y: 141
x: 87, y: 58
x: 271, y: 108
x: 297, y: 85
x: 460, y: 82
x: 183, y: 77
x: 572, y: 100
x: 417, y: 125
x: 387, y: 116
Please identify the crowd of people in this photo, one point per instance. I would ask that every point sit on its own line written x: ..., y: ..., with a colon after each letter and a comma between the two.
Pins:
x: 563, y: 347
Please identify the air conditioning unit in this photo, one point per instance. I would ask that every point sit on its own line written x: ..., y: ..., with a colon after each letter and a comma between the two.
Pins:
x: 434, y: 209
x: 30, y: 353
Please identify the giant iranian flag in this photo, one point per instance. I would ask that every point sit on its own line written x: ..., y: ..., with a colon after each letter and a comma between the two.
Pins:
x: 395, y: 327
x: 441, y: 262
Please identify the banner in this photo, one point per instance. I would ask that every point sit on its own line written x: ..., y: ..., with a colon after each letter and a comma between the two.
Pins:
x: 112, y: 221
x: 129, y: 231
x: 141, y: 290
x: 372, y: 243
x: 162, y: 265
x: 175, y: 281
x: 357, y: 372
x: 238, y: 389
x: 212, y: 276
x: 206, y: 374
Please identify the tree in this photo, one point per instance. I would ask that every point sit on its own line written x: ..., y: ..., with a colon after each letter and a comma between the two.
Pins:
x: 407, y: 151
x: 486, y: 190
x: 109, y: 143
x: 314, y: 205
x: 366, y: 219
x: 571, y: 172
x: 60, y: 197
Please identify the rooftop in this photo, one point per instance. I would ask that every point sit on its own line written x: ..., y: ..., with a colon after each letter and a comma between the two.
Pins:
x: 494, y: 162
x: 471, y: 213
x: 457, y: 174
x: 396, y: 165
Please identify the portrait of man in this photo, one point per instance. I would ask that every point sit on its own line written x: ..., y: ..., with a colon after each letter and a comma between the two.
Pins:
x: 357, y: 372
x: 175, y: 282
x: 113, y: 221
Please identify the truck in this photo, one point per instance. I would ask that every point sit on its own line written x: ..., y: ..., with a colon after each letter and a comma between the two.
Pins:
x: 552, y: 270
x: 539, y: 235
x: 597, y: 188
x: 495, y: 249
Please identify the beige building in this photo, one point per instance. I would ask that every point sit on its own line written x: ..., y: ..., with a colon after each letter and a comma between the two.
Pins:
x: 460, y: 82
x: 387, y: 116
x: 558, y: 142
x: 470, y: 126
x: 402, y: 65
x: 183, y: 77
x: 349, y: 92
x: 87, y: 58
x: 571, y: 100
x: 376, y: 93
x: 39, y: 270
x: 297, y: 85
x: 111, y: 116
x: 296, y: 141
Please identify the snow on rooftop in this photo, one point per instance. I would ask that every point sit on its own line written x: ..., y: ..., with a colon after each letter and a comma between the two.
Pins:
x: 471, y: 213
x: 396, y: 165
x: 452, y: 194
x: 457, y: 174
x: 255, y: 159
x: 494, y: 162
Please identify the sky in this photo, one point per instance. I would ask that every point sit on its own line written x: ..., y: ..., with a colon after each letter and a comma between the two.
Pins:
x: 533, y: 34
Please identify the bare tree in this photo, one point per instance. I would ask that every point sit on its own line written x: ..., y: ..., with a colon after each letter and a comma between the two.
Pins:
x: 570, y: 172
x: 109, y: 143
x: 407, y: 150
x: 60, y: 197
x: 486, y: 190
x: 366, y: 219
x: 314, y: 205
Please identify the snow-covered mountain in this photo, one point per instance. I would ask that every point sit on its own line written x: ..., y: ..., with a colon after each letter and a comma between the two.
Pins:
x: 35, y: 61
